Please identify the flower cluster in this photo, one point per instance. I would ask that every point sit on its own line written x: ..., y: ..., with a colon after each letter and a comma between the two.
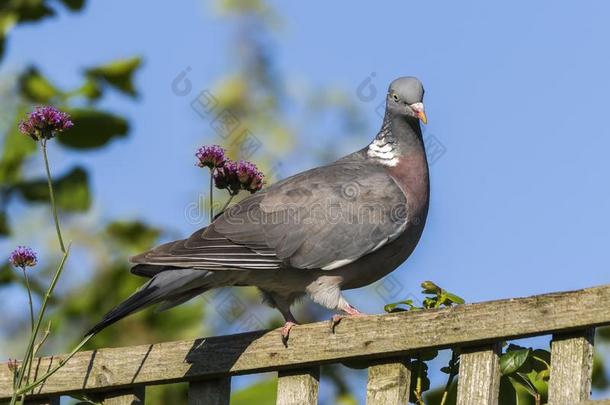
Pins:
x: 44, y: 123
x: 23, y: 257
x: 211, y: 157
x: 236, y: 176
x: 229, y: 175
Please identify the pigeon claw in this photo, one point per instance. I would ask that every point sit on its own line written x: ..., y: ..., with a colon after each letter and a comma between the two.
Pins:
x: 351, y: 313
x: 334, y: 321
x: 285, y: 331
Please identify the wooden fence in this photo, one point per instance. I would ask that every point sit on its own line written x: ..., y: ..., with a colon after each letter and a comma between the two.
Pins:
x: 384, y: 342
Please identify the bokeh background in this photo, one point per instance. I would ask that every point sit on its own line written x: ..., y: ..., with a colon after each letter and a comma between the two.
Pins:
x: 516, y: 95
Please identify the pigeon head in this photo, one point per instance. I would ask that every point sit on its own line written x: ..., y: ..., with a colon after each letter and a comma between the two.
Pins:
x: 405, y: 97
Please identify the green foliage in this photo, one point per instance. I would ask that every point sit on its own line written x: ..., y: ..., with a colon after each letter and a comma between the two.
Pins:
x: 434, y: 297
x: 260, y: 393
x: 13, y: 12
x: 118, y: 74
x: 35, y: 87
x: 15, y: 149
x: 4, y: 225
x: 525, y: 372
x: 72, y: 190
x: 93, y: 129
x: 132, y: 235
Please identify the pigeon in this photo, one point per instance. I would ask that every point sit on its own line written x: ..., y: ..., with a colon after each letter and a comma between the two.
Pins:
x: 336, y: 227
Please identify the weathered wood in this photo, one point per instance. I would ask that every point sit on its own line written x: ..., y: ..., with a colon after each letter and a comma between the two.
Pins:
x: 132, y: 396
x: 389, y: 382
x: 298, y: 387
x: 375, y: 336
x: 479, y: 381
x: 210, y: 392
x: 571, y: 368
x: 598, y: 402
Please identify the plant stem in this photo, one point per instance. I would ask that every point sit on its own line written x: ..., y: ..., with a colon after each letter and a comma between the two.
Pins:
x: 450, y: 378
x: 43, y: 306
x: 228, y: 202
x: 418, y: 386
x: 211, y: 195
x: 27, y: 284
x: 43, y: 146
x: 54, y: 369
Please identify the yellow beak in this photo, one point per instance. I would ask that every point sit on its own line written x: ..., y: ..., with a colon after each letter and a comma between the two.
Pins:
x: 422, y: 117
x: 420, y: 111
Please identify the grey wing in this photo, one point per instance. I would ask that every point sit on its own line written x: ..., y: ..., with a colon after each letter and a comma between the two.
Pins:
x: 324, y: 218
x: 320, y: 219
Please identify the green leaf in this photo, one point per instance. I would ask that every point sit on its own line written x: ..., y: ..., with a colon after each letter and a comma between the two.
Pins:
x: 395, y: 306
x: 90, y: 89
x: 543, y: 359
x: 599, y: 381
x: 429, y: 302
x: 603, y: 333
x: 15, y: 149
x: 261, y: 393
x: 540, y: 382
x: 419, y: 368
x: 35, y: 87
x: 4, y: 225
x: 452, y: 297
x: 118, y: 74
x: 32, y: 10
x: 7, y: 22
x: 72, y: 190
x: 511, y: 361
x: 521, y: 385
x: 430, y: 288
x: 74, y: 5
x: 92, y: 129
x: 134, y: 234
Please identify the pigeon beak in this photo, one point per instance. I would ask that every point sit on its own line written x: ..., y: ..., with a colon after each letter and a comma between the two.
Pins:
x: 419, y: 110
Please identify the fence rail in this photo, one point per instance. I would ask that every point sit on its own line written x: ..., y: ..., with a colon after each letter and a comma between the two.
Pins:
x: 384, y: 342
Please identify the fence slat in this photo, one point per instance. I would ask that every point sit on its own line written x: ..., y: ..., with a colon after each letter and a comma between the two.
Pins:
x: 132, y: 396
x: 571, y: 367
x: 389, y: 382
x: 298, y: 387
x: 479, y: 378
x: 210, y: 392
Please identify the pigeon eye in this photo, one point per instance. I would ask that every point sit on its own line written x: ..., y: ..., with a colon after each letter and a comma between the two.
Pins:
x: 395, y: 97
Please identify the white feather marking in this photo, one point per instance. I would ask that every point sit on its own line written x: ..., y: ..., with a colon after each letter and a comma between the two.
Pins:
x: 385, y: 153
x: 337, y: 264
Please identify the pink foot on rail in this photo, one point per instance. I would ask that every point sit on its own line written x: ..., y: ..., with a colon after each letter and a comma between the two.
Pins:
x: 286, y: 331
x: 350, y: 311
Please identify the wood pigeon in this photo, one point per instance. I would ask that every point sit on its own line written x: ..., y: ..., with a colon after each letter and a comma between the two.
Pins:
x: 336, y: 227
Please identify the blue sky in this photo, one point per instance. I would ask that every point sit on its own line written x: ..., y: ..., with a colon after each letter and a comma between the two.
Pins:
x: 517, y: 93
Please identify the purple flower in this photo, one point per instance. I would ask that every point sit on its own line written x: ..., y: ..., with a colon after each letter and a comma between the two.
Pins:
x: 45, y: 122
x: 211, y: 157
x: 250, y: 178
x: 23, y: 257
x: 226, y: 177
x: 236, y: 176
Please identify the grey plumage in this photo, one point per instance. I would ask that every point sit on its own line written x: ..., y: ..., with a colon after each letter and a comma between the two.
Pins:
x: 335, y: 227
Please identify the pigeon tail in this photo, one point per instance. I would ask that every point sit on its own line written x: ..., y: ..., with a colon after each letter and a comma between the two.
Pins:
x: 168, y: 288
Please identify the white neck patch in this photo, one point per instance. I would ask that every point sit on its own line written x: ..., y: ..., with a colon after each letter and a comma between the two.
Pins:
x: 383, y: 151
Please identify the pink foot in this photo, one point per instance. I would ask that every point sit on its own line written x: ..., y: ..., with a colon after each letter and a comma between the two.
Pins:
x: 286, y: 331
x: 349, y: 310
